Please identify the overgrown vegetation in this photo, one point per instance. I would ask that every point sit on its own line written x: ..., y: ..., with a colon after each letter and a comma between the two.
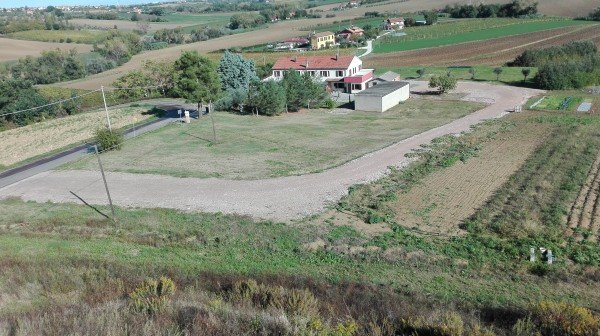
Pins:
x: 513, y: 9
x: 572, y: 65
x: 107, y: 139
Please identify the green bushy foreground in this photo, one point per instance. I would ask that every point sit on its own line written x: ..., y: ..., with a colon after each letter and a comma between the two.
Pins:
x: 66, y: 270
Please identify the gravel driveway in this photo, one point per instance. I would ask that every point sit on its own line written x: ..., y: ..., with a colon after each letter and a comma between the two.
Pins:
x: 282, y: 198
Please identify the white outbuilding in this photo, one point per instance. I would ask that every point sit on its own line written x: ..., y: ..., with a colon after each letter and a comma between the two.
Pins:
x: 382, y: 96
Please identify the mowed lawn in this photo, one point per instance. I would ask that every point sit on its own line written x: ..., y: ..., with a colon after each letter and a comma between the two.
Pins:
x: 261, y: 147
x: 469, y: 30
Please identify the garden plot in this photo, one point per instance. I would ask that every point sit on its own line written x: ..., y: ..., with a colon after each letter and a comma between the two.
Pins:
x: 447, y: 197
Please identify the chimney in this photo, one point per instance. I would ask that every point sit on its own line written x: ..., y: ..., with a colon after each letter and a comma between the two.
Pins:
x: 294, y: 59
x: 307, y: 63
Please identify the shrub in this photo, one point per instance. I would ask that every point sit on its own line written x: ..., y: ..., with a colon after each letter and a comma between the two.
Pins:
x: 152, y: 296
x: 108, y: 140
x: 565, y: 319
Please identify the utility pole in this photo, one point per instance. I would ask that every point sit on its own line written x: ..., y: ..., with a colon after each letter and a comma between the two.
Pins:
x: 112, y: 208
x: 106, y: 108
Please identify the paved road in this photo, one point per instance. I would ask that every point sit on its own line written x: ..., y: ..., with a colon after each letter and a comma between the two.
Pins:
x: 369, y: 49
x: 279, y: 198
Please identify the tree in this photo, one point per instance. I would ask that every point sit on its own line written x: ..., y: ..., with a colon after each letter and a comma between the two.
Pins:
x: 525, y: 72
x: 196, y: 78
x: 443, y: 83
x: 236, y: 72
x: 135, y: 83
x: 421, y: 72
x: 294, y: 90
x: 431, y: 17
x: 595, y: 14
x: 160, y: 73
x: 266, y: 97
x: 498, y: 71
x: 314, y: 92
x: 473, y: 72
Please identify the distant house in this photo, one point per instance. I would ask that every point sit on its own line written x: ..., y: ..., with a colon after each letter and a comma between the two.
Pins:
x: 297, y: 41
x: 382, y: 97
x: 393, y: 23
x: 341, y: 73
x: 350, y: 33
x: 352, y: 4
x: 322, y: 40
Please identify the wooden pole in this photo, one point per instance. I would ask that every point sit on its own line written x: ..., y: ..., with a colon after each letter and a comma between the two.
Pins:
x: 112, y: 208
x: 106, y: 108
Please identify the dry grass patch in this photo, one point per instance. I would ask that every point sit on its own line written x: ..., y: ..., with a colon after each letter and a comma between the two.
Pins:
x: 445, y: 198
x: 19, y: 144
x: 11, y: 50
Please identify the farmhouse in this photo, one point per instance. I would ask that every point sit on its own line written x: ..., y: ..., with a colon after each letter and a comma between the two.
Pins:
x: 341, y: 73
x: 393, y: 23
x: 322, y: 40
x: 382, y: 97
x: 350, y: 33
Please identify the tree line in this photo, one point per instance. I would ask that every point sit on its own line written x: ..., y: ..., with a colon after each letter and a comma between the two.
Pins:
x: 232, y: 84
x: 514, y: 9
x: 572, y: 65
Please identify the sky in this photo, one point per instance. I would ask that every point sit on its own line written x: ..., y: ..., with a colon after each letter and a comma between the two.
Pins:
x: 44, y: 3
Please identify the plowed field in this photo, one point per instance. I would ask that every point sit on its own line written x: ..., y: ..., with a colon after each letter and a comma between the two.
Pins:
x: 445, y: 198
x: 496, y: 51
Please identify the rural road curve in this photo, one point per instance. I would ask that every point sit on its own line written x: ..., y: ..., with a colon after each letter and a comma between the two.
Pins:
x: 284, y: 198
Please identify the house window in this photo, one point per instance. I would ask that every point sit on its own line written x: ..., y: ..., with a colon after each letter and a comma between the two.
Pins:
x: 312, y: 73
x: 324, y: 73
x: 339, y: 73
x: 356, y: 86
x: 277, y: 73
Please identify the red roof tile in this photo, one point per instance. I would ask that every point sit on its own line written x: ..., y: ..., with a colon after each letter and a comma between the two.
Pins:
x: 314, y: 62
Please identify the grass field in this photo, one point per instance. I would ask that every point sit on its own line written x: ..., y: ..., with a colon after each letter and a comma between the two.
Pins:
x: 67, y: 260
x: 20, y: 144
x: 86, y: 36
x: 291, y: 144
x: 11, y: 49
x: 220, y: 19
x: 558, y: 102
x: 462, y: 31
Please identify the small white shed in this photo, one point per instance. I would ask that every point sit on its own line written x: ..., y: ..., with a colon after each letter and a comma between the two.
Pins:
x: 382, y: 96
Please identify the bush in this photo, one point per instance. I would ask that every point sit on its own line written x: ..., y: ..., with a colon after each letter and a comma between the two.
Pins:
x: 152, y: 296
x: 443, y: 83
x: 565, y: 319
x: 108, y: 140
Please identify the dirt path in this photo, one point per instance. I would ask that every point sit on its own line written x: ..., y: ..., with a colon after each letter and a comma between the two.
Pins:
x: 280, y: 198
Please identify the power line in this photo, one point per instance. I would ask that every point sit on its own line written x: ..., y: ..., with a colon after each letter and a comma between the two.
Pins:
x: 79, y: 96
x: 50, y: 104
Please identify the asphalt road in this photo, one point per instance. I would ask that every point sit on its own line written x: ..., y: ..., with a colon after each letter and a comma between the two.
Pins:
x: 284, y: 198
x: 48, y: 163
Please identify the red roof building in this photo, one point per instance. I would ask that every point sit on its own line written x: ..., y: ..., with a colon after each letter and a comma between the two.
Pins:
x: 315, y: 63
x: 342, y: 73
